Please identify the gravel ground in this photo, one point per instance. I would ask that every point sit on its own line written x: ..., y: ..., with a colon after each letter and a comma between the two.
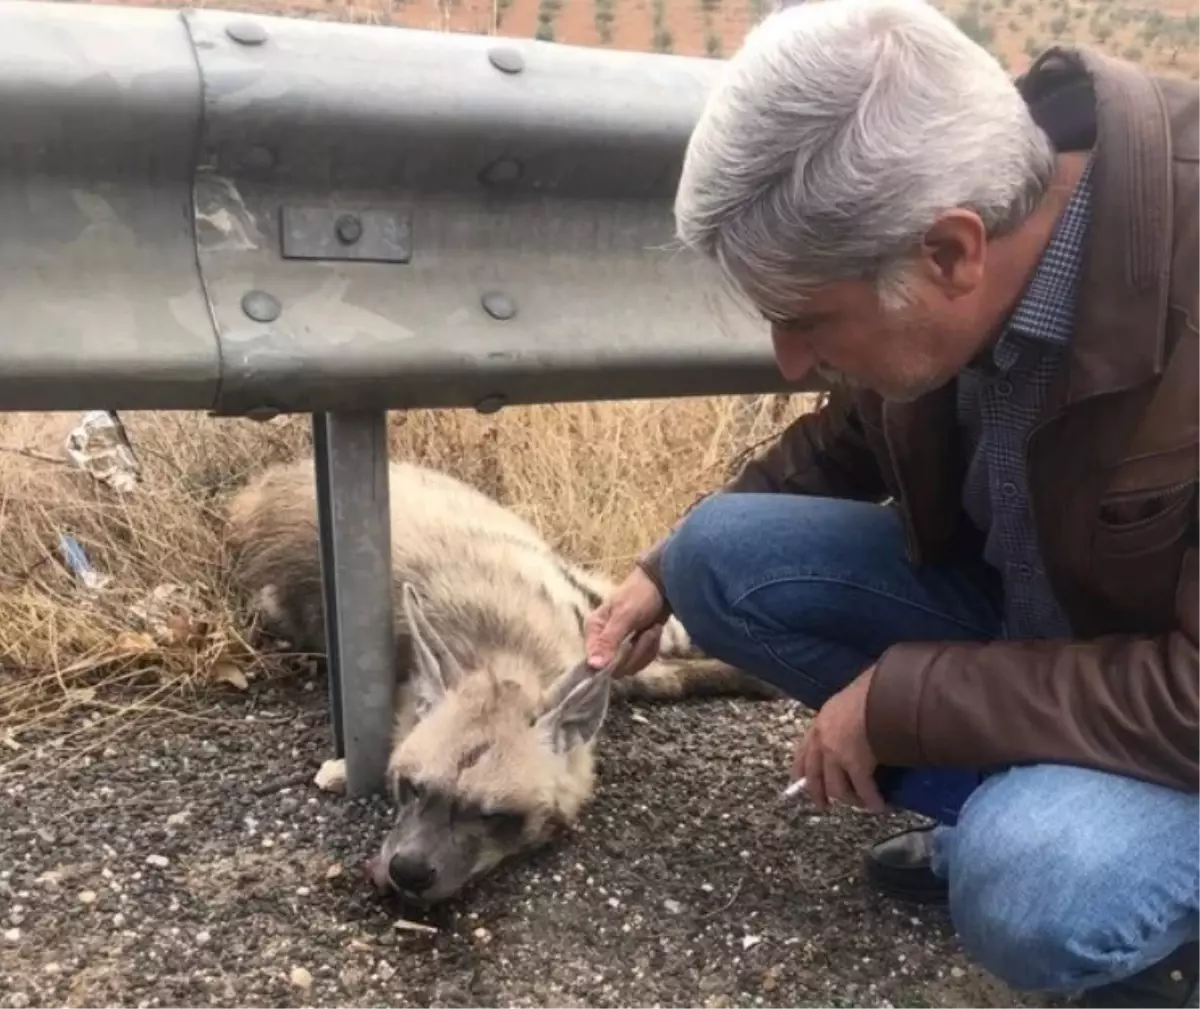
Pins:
x: 195, y: 864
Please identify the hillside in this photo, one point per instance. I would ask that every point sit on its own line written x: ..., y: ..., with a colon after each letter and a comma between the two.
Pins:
x: 1161, y: 34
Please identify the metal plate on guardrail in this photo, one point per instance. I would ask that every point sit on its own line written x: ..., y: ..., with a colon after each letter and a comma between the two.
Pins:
x: 379, y: 236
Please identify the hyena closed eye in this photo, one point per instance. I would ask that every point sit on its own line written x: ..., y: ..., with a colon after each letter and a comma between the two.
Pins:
x: 496, y: 711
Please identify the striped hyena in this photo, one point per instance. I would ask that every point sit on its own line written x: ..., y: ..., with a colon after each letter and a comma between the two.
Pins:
x: 497, y: 711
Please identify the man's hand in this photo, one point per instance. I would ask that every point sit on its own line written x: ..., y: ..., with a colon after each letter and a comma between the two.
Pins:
x: 835, y: 755
x: 633, y: 608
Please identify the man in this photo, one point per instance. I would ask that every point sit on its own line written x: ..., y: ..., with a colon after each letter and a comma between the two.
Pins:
x: 980, y: 557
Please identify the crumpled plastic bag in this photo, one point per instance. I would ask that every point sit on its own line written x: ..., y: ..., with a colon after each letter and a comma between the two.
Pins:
x: 99, y: 445
x: 172, y: 614
x: 80, y: 565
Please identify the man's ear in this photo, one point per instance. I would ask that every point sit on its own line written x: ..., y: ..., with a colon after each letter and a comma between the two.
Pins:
x: 953, y: 252
x: 577, y: 706
x: 434, y: 670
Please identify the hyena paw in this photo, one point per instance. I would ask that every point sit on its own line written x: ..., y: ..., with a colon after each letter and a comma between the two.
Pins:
x: 656, y: 682
x: 676, y: 643
x: 332, y: 776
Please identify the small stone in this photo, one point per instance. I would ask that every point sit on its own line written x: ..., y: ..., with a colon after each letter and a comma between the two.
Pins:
x: 158, y: 861
x: 202, y: 938
x: 770, y: 978
x: 384, y: 971
x: 957, y: 972
x: 301, y: 978
x: 118, y: 920
x: 302, y: 891
x: 359, y: 946
x: 12, y: 935
x: 672, y: 906
x: 750, y: 941
x: 87, y: 896
x: 482, y: 934
x: 333, y: 871
x: 268, y: 843
x: 51, y: 968
x: 177, y: 819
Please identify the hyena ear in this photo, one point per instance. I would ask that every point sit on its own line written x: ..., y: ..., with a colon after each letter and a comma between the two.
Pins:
x: 576, y: 706
x: 435, y: 670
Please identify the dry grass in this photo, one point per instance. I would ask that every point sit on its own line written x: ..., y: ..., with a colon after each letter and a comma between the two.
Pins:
x: 78, y: 667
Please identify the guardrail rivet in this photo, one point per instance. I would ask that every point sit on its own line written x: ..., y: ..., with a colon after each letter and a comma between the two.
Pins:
x: 260, y: 306
x: 349, y: 229
x: 506, y: 59
x: 490, y: 404
x: 498, y: 305
x: 247, y: 33
x: 501, y: 172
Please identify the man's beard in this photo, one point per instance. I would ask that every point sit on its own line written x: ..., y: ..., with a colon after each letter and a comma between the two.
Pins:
x: 914, y: 390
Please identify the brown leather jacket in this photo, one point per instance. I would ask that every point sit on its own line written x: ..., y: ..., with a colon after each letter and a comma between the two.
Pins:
x: 1112, y: 479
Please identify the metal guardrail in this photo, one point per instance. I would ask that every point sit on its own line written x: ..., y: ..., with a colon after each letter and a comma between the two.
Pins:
x: 259, y: 215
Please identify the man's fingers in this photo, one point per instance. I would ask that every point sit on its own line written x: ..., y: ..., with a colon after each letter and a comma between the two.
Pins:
x: 837, y: 783
x: 814, y: 771
x: 644, y: 648
x: 594, y: 622
x: 867, y: 791
x: 632, y: 607
x: 605, y: 642
x: 603, y: 635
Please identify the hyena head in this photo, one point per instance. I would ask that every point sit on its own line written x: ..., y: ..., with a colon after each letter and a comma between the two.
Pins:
x: 492, y: 765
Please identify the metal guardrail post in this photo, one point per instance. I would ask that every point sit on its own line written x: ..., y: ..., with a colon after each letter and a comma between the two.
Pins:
x: 356, y: 573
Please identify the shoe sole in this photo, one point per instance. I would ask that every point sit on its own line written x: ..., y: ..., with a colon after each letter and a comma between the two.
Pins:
x: 902, y: 889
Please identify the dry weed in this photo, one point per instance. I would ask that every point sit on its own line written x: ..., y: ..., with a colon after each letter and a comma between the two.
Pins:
x: 600, y: 480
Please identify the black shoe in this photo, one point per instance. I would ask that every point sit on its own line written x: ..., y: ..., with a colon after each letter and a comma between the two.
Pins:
x: 1170, y: 982
x: 898, y: 866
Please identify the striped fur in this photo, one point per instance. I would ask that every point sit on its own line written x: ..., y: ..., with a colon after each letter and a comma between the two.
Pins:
x: 494, y: 713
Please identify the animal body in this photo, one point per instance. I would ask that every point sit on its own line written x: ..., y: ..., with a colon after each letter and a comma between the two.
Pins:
x: 496, y: 711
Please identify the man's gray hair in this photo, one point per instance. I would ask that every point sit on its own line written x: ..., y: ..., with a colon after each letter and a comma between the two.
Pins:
x: 837, y: 135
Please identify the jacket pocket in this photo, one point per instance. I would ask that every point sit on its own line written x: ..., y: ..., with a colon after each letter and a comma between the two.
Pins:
x: 1144, y: 522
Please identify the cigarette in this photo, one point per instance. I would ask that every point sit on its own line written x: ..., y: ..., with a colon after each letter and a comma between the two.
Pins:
x: 795, y: 788
x: 414, y: 926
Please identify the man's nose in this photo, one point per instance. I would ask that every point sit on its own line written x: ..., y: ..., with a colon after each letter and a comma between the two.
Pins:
x: 793, y: 355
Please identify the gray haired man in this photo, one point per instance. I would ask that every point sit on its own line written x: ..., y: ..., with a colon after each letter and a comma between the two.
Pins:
x: 978, y: 561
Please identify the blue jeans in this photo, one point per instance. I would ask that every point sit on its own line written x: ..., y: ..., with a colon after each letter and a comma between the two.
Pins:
x: 1060, y: 878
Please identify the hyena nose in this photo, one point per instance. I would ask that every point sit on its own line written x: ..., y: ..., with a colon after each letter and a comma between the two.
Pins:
x: 410, y: 874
